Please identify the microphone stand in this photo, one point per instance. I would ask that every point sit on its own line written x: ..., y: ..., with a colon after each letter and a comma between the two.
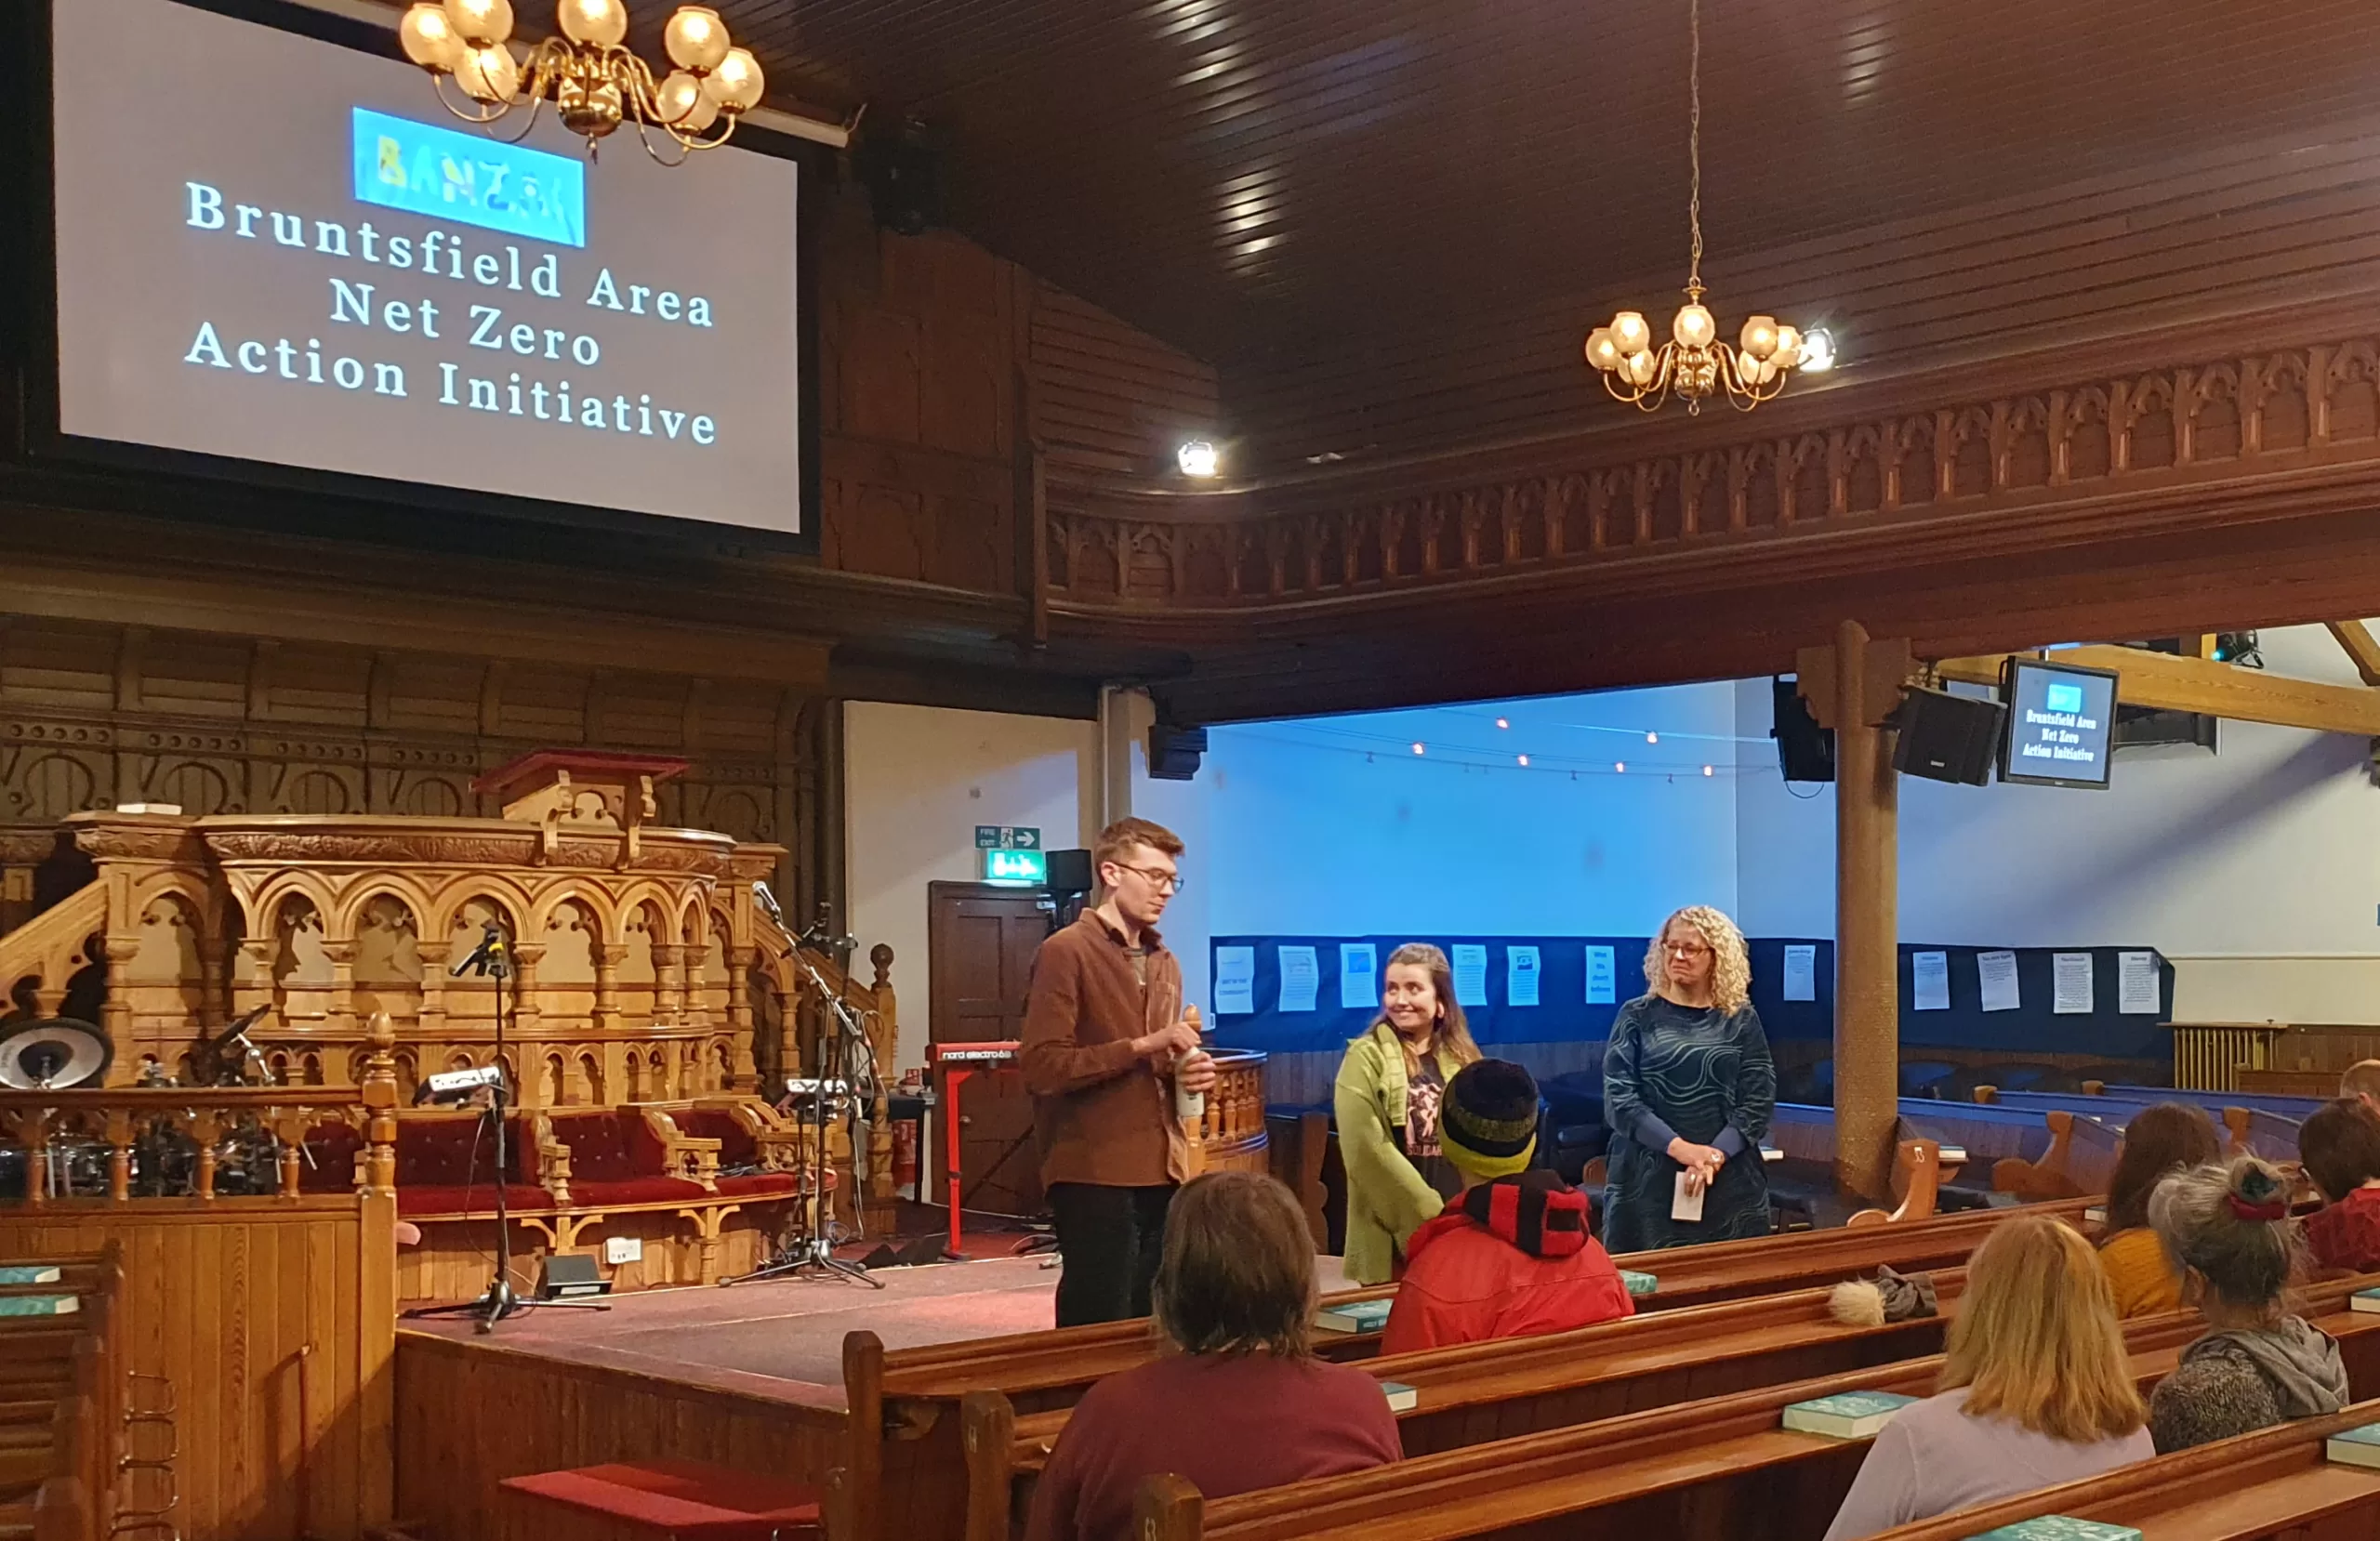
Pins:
x: 812, y: 1249
x: 492, y: 959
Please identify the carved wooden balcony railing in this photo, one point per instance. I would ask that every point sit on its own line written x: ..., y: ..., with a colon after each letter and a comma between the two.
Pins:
x: 2147, y: 433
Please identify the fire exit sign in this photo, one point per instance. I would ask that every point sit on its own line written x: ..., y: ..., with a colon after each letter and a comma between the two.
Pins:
x: 1007, y: 838
x: 1024, y: 868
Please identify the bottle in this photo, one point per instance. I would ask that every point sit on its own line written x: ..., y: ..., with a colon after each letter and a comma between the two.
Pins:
x: 1188, y: 1104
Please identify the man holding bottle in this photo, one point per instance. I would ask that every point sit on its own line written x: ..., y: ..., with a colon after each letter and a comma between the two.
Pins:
x: 1105, y: 1045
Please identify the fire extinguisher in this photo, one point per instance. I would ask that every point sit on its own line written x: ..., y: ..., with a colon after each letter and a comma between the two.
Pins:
x: 904, y: 1154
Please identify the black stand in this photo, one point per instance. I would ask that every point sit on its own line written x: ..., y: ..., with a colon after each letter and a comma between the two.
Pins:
x: 845, y: 1059
x: 494, y: 960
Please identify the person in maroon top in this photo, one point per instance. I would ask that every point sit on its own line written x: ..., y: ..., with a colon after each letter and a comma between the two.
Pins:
x: 1511, y: 1256
x: 1238, y: 1402
x: 2340, y: 1148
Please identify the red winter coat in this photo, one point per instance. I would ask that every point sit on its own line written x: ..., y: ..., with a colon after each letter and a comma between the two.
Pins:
x: 2347, y: 1234
x: 1510, y: 1258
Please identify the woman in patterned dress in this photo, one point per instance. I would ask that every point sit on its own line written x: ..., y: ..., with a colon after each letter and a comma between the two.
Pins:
x: 1688, y: 1088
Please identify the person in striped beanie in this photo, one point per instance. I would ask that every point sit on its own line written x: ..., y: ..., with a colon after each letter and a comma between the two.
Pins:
x: 1511, y: 1256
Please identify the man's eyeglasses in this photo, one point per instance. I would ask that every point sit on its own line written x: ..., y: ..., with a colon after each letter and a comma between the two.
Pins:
x: 1157, y: 877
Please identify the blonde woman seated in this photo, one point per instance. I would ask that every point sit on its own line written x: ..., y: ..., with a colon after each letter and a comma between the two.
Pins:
x: 2036, y: 1389
x: 1390, y: 1086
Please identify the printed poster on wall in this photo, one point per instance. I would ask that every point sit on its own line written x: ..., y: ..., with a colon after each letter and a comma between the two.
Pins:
x: 1997, y: 974
x: 1929, y: 978
x: 1471, y: 973
x: 1235, y: 982
x: 1603, y: 987
x: 1802, y: 971
x: 2070, y: 984
x: 1358, y: 976
x: 2136, y: 984
x: 1520, y: 976
x: 1300, y: 977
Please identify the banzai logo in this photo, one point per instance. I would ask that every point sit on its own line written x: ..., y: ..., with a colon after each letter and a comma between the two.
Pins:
x: 427, y: 170
x: 2062, y: 698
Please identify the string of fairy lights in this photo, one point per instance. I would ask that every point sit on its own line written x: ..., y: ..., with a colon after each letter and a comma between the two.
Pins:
x: 1710, y: 756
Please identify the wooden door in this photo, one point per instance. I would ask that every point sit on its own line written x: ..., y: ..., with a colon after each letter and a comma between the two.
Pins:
x: 979, y: 941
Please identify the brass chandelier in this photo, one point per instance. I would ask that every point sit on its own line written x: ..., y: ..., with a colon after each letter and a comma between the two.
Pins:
x: 595, y: 83
x: 1694, y: 364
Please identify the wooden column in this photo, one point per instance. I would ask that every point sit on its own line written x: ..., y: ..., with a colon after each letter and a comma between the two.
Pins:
x: 1852, y: 687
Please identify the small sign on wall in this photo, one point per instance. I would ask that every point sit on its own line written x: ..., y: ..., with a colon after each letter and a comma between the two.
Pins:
x: 623, y: 1249
x: 1007, y: 838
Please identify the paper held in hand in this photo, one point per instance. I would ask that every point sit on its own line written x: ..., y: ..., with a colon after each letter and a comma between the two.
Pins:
x: 1685, y: 1206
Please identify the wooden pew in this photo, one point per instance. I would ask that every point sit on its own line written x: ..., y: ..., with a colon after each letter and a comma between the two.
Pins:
x: 1475, y: 1393
x: 2265, y: 1486
x: 1719, y: 1470
x: 907, y: 1476
x: 62, y: 1403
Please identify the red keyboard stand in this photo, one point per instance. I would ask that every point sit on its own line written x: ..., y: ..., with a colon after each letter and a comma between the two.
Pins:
x: 956, y: 1063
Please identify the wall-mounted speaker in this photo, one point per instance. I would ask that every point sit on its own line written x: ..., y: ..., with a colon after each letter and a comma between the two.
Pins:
x: 1805, y: 750
x: 1070, y: 872
x: 1949, y: 738
x: 1174, y: 752
x: 903, y: 173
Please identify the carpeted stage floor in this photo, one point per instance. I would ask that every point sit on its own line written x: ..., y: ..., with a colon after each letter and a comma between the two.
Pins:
x: 783, y: 1338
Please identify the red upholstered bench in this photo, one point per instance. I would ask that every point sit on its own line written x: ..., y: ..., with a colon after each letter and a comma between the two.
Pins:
x: 616, y: 1157
x: 663, y: 1500
x: 738, y: 1146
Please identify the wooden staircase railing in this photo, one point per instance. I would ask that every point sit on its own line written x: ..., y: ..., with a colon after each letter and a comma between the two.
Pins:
x: 53, y: 946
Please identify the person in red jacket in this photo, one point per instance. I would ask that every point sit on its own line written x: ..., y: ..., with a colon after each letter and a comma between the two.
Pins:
x: 1511, y: 1256
x: 2340, y: 1148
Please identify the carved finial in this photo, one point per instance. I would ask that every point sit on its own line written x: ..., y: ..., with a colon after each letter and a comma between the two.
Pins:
x: 881, y: 957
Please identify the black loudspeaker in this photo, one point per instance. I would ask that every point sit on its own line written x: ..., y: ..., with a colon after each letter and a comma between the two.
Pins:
x: 570, y: 1274
x: 904, y: 176
x: 1070, y: 872
x: 1949, y: 738
x: 1174, y: 752
x: 1805, y: 750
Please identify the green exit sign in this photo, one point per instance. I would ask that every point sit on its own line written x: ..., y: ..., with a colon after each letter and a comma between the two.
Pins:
x: 1024, y: 868
x: 1007, y: 838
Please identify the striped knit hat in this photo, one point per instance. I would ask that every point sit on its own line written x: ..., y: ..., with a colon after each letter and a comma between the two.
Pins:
x: 1487, y: 1122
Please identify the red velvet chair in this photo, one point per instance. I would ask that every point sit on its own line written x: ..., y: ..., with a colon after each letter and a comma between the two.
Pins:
x: 615, y: 1157
x: 738, y: 1146
x: 446, y: 1165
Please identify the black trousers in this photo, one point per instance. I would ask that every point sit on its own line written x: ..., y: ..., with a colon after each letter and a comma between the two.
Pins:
x: 1111, y: 1239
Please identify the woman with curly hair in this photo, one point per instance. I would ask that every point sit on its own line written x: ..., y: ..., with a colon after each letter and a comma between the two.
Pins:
x: 1688, y: 1088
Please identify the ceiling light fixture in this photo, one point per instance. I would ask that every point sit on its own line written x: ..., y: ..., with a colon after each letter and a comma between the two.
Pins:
x: 595, y: 83
x: 1199, y: 459
x: 1694, y: 363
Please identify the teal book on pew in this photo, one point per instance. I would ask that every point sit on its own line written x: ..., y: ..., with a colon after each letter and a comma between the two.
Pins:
x: 1638, y: 1285
x: 2365, y: 1299
x: 1846, y: 1414
x: 29, y: 1273
x: 39, y: 1305
x: 1401, y: 1397
x: 2057, y: 1527
x: 2354, y: 1446
x: 1354, y: 1316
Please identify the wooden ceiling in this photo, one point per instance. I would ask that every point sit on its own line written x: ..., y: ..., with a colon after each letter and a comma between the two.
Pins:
x: 1263, y: 183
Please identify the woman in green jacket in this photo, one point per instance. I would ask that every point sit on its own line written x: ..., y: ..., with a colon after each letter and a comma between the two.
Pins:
x: 1387, y: 1097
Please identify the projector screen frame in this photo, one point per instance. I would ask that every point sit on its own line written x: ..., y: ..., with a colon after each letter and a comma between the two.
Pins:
x: 196, y: 488
x: 2009, y: 669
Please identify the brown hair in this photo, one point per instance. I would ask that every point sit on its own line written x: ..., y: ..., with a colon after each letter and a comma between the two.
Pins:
x: 2362, y: 1079
x: 2340, y: 1147
x: 2230, y: 1222
x: 2158, y: 1142
x: 1116, y: 842
x: 1454, y: 1029
x: 1237, y: 1274
x: 2036, y: 1339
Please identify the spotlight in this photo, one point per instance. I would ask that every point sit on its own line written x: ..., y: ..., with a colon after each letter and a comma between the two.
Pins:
x: 1199, y: 459
x: 1818, y: 351
x: 2241, y: 648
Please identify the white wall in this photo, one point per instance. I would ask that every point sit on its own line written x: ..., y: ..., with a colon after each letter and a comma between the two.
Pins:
x: 917, y: 780
x: 2255, y: 869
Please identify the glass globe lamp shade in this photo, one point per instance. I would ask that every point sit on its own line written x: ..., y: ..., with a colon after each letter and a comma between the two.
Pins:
x: 696, y: 38
x: 1628, y: 329
x: 1641, y: 367
x: 1602, y: 351
x: 480, y: 23
x: 736, y: 85
x: 1817, y: 352
x: 600, y: 23
x: 686, y: 103
x: 488, y: 75
x: 1759, y: 339
x: 1789, y: 349
x: 1693, y: 327
x: 429, y: 39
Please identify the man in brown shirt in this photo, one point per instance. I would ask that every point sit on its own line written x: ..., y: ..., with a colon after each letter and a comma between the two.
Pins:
x: 1104, y: 1028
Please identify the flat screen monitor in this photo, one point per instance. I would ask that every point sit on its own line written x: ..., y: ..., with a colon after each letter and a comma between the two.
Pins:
x: 2060, y: 719
x: 276, y: 249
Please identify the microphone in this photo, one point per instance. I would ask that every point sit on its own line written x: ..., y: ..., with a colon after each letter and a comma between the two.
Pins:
x: 487, y: 954
x: 768, y: 902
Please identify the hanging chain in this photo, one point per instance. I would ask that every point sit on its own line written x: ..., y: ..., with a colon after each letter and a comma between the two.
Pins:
x: 1694, y: 143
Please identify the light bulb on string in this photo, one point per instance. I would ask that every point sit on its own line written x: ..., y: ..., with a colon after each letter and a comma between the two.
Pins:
x: 1652, y: 738
x: 1706, y: 770
x: 1501, y: 722
x: 1619, y: 768
x: 1524, y: 760
x: 1417, y: 748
